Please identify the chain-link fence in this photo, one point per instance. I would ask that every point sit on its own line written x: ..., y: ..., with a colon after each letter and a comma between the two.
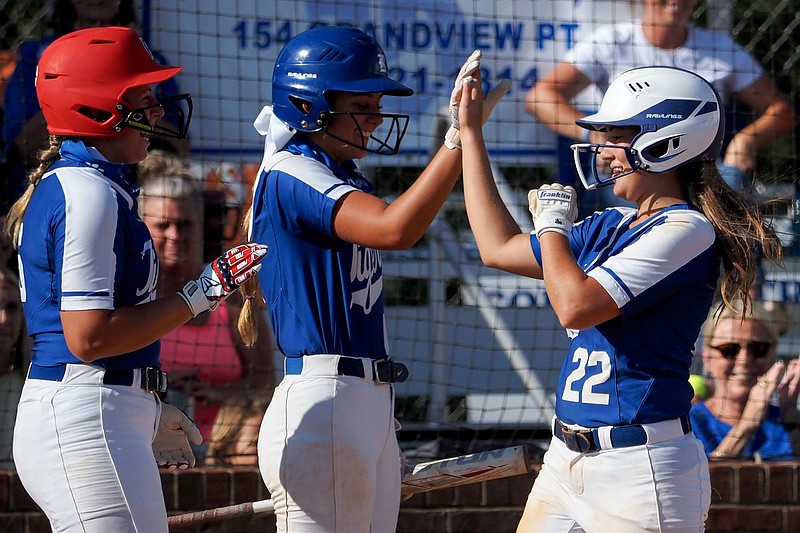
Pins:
x: 484, y: 350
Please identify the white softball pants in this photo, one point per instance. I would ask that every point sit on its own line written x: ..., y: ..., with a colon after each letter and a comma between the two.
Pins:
x: 328, y: 452
x: 83, y: 451
x: 662, y: 487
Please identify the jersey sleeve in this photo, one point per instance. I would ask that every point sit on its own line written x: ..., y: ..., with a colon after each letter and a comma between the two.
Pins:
x: 84, y: 244
x: 308, y: 193
x: 657, y: 255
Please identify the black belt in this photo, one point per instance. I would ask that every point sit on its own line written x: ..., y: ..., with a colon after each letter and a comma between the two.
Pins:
x: 588, y: 440
x: 153, y: 379
x: 383, y: 371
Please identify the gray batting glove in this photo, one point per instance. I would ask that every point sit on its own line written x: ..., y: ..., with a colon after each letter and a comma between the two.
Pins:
x: 492, y: 97
x: 171, y: 445
x: 222, y: 277
x: 553, y: 208
x: 473, y: 63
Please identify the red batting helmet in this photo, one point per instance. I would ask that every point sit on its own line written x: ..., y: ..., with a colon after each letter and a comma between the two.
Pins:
x: 82, y: 76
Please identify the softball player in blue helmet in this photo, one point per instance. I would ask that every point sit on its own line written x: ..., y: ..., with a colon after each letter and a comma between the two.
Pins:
x: 89, y: 420
x: 327, y: 448
x: 632, y: 287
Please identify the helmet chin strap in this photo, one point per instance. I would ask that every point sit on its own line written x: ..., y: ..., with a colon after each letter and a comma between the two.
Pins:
x: 397, y: 128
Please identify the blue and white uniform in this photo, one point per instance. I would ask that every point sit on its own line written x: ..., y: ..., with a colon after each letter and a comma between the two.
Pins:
x: 330, y: 427
x: 84, y: 432
x: 623, y: 397
x: 662, y: 274
x: 324, y: 295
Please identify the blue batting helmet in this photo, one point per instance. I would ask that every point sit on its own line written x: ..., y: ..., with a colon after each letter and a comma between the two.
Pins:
x: 328, y: 58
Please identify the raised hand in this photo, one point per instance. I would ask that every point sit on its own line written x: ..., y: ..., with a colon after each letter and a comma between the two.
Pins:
x: 470, y: 66
x: 489, y: 103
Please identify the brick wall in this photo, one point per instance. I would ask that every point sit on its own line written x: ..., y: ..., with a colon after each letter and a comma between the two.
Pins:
x: 747, y: 498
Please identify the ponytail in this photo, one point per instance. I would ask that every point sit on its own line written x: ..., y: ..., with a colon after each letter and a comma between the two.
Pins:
x: 743, y: 232
x: 47, y: 157
x: 251, y: 291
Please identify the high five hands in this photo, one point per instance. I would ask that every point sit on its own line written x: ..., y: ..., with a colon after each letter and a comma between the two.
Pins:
x: 469, y: 78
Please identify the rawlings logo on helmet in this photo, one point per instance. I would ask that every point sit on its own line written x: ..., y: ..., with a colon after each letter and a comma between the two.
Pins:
x: 665, y: 115
x: 302, y: 75
x: 678, y: 116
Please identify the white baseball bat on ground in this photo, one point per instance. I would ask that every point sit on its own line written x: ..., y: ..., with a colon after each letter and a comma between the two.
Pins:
x: 422, y: 477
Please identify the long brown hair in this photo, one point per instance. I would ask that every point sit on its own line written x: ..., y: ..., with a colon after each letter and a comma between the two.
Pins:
x: 744, y: 234
x: 47, y: 157
x: 251, y: 292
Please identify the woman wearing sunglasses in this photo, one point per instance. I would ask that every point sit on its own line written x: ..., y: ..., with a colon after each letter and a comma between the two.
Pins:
x: 740, y: 420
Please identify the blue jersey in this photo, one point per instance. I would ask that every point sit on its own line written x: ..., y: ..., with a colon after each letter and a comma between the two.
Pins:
x: 771, y: 440
x: 634, y: 369
x: 324, y: 295
x: 83, y: 246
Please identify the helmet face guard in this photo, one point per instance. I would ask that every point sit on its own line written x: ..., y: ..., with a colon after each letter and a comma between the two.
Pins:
x: 174, y: 123
x: 387, y: 142
x: 678, y: 115
x: 590, y: 168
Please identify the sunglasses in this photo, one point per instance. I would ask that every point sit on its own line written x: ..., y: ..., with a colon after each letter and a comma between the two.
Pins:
x: 757, y: 349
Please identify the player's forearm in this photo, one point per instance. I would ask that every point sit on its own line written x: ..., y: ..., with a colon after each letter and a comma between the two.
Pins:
x: 490, y: 221
x: 97, y: 334
x: 412, y: 213
x: 577, y: 299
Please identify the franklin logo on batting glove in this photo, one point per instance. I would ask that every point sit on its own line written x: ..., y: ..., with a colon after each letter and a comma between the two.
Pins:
x: 553, y: 208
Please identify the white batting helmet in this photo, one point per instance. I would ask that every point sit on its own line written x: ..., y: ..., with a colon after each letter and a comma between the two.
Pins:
x: 678, y: 113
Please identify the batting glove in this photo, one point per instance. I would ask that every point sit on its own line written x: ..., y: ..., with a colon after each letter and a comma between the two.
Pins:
x: 222, y: 277
x: 473, y: 63
x: 171, y: 445
x: 454, y: 136
x: 553, y: 208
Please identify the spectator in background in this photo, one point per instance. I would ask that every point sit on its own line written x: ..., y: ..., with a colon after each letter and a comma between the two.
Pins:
x: 664, y: 37
x: 234, y: 437
x: 7, y: 252
x: 24, y: 129
x: 14, y: 357
x: 207, y: 362
x: 8, y: 62
x: 740, y: 420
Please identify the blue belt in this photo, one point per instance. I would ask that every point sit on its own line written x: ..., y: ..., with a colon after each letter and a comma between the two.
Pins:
x: 383, y: 371
x: 588, y: 440
x: 153, y: 379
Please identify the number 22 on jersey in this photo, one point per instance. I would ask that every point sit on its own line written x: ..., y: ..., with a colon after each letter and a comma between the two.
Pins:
x: 580, y: 390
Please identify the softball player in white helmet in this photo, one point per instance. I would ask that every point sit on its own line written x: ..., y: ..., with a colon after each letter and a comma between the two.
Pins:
x: 89, y: 419
x: 632, y: 287
x: 327, y: 448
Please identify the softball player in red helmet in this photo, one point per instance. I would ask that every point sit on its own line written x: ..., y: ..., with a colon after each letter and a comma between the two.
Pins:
x: 89, y: 419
